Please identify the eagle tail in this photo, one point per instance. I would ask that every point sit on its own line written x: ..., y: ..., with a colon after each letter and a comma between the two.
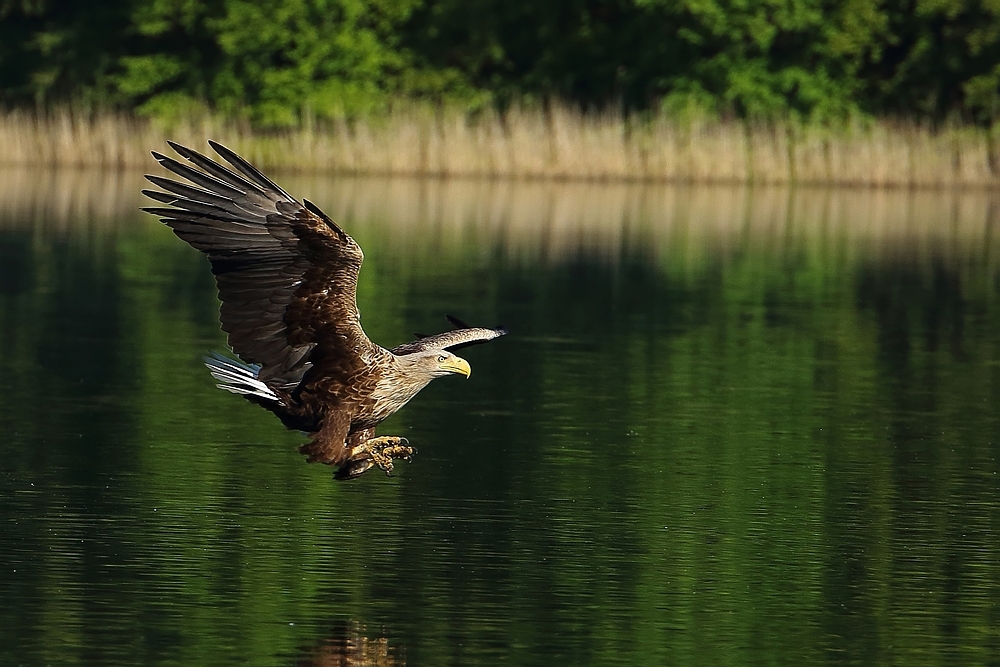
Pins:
x: 239, y: 378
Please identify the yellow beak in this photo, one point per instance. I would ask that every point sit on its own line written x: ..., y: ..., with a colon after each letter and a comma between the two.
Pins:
x: 457, y: 365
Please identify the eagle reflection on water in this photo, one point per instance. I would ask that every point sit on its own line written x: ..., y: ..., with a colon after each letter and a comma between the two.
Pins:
x: 287, y: 276
x: 347, y: 645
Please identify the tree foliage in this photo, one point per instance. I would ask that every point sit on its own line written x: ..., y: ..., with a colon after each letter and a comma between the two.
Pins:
x: 277, y: 62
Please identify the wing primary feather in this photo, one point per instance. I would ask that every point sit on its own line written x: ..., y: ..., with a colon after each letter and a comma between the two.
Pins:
x: 163, y: 197
x: 204, y: 196
x: 215, y: 169
x: 236, y: 216
x: 457, y: 323
x: 205, y: 210
x: 248, y: 169
x: 195, y: 176
x: 190, y: 216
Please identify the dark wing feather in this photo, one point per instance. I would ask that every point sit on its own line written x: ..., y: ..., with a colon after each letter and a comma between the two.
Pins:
x: 462, y: 336
x: 287, y: 274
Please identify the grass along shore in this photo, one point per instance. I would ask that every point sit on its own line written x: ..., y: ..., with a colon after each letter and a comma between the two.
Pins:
x: 531, y: 144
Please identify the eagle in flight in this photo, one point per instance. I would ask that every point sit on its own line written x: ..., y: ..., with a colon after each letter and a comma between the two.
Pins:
x: 287, y: 277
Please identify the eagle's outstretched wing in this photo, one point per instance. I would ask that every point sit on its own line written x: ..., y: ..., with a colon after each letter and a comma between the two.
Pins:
x: 287, y: 274
x: 461, y: 336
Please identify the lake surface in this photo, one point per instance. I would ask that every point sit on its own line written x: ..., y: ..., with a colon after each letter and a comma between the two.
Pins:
x: 729, y: 426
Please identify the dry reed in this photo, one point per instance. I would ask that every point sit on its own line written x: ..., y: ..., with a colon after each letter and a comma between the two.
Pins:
x: 530, y: 144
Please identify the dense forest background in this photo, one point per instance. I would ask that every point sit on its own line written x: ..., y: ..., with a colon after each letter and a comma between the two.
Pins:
x: 280, y: 63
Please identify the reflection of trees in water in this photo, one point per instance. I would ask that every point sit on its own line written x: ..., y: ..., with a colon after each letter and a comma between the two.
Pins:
x: 348, y: 645
x: 555, y: 220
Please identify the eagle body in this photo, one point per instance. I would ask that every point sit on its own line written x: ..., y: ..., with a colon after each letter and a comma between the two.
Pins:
x: 287, y: 277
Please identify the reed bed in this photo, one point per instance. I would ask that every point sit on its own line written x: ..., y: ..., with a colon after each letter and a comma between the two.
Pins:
x: 560, y: 143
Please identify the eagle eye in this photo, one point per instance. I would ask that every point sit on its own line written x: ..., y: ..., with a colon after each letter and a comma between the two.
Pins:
x: 442, y: 358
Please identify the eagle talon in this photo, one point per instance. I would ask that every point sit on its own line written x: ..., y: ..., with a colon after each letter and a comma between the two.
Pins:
x: 375, y: 452
x: 398, y: 452
x: 382, y: 460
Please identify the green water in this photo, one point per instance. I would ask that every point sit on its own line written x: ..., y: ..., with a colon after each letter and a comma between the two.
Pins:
x: 731, y: 428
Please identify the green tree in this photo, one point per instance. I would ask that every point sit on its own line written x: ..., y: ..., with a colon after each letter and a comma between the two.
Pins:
x: 269, y: 61
x: 752, y: 58
x: 53, y: 50
x: 939, y: 57
x: 278, y: 62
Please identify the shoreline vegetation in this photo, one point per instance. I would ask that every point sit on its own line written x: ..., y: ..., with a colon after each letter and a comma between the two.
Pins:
x: 559, y: 143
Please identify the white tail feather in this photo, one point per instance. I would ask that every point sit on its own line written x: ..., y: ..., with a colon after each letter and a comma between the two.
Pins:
x: 239, y: 378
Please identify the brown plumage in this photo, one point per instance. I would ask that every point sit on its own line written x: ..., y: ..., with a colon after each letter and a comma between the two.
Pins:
x: 287, y: 277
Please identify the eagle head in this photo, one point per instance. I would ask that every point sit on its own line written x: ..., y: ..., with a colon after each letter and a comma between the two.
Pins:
x: 438, y: 363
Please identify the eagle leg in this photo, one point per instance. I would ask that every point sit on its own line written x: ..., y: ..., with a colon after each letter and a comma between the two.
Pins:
x: 378, y: 451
